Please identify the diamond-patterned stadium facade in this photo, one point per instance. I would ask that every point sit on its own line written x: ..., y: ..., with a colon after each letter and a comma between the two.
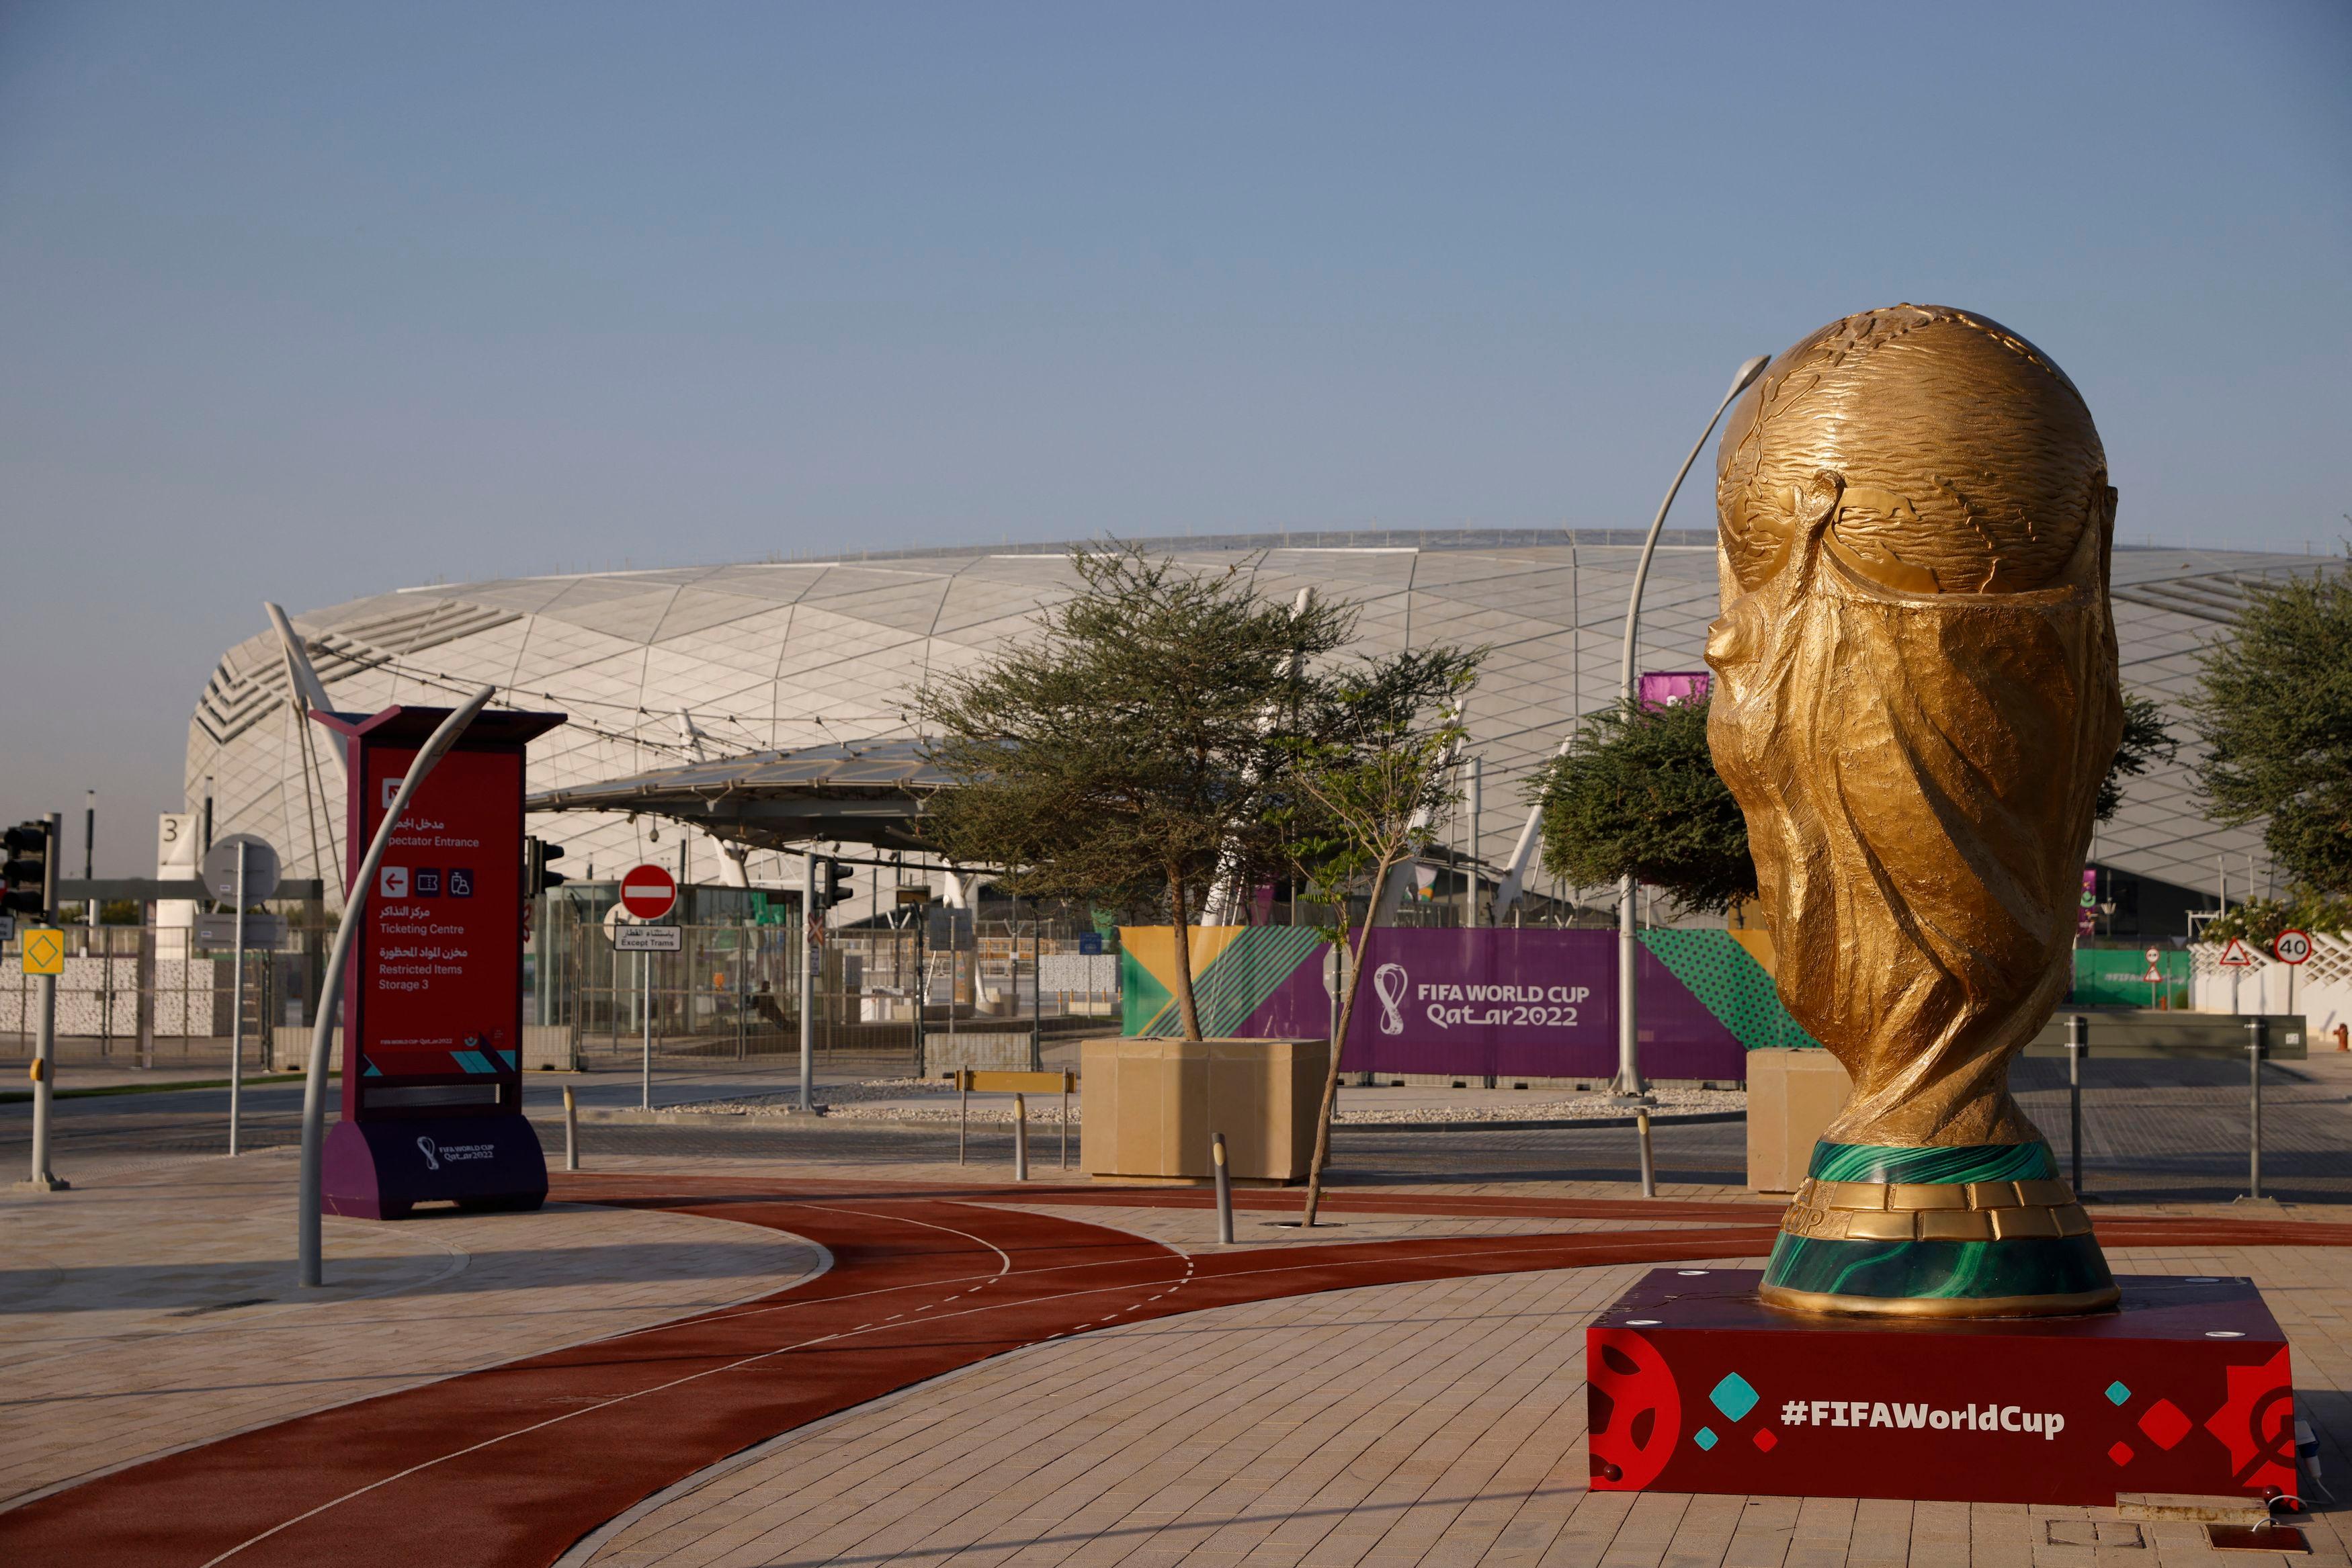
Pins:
x: 662, y: 667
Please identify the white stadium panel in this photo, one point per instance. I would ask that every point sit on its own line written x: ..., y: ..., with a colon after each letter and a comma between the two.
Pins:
x: 768, y: 656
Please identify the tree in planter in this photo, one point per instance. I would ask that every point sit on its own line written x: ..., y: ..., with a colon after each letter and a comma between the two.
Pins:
x: 1368, y: 794
x: 1138, y: 751
x: 2275, y: 711
x: 1636, y: 794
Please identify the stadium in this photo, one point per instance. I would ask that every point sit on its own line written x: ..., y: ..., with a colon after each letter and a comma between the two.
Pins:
x: 766, y: 700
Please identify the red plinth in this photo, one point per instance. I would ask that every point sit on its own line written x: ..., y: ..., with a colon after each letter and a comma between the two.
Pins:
x: 1695, y: 1387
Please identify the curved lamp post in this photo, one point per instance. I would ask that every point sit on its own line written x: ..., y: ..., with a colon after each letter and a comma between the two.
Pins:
x: 322, y: 1034
x: 1629, y: 1083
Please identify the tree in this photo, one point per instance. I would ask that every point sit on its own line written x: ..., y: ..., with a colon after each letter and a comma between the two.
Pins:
x: 2146, y: 741
x: 2275, y: 710
x: 1138, y: 751
x: 2259, y: 920
x: 1636, y: 793
x: 1370, y: 789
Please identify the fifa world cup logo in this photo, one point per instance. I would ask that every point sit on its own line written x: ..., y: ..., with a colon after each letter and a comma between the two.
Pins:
x: 1917, y: 702
x: 1389, y: 982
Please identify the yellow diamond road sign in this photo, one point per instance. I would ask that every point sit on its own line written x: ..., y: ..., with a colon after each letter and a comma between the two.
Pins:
x: 45, y: 952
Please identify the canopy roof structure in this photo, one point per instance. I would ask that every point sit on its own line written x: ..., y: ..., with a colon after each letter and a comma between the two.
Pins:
x: 860, y: 792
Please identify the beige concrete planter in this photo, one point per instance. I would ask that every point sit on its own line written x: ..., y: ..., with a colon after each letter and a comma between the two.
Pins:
x: 1792, y: 1095
x: 1151, y: 1108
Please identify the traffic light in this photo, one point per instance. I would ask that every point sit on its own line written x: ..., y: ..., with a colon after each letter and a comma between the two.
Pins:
x: 28, y: 877
x: 832, y: 884
x: 536, y: 878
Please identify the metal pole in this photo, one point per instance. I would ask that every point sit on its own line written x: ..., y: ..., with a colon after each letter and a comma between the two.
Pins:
x: 314, y: 1088
x: 1065, y: 1121
x: 237, y: 1007
x: 1628, y: 968
x: 1224, y: 1193
x: 922, y: 986
x: 1629, y: 1050
x: 89, y: 860
x: 963, y: 1111
x: 645, y: 1009
x: 1649, y: 1165
x: 809, y: 928
x: 2076, y: 1026
x: 1036, y: 992
x: 45, y: 1037
x: 1476, y: 803
x: 1020, y: 1138
x: 571, y: 1130
x: 2254, y: 1100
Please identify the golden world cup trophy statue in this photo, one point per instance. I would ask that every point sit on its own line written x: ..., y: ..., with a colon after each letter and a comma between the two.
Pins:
x: 1916, y: 702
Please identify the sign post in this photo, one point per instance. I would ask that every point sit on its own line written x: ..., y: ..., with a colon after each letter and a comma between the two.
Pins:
x: 648, y: 892
x: 241, y: 868
x: 432, y: 1082
x: 42, y: 954
x: 2292, y: 947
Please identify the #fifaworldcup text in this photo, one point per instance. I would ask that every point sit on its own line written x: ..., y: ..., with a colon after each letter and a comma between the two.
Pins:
x: 1885, y: 1413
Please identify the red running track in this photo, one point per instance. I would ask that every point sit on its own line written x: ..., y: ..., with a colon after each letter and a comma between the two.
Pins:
x: 512, y: 1465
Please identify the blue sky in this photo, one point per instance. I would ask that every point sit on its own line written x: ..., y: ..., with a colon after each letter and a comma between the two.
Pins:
x: 306, y: 301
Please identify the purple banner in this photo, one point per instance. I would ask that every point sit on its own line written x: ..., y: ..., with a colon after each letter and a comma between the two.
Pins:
x: 1671, y: 688
x: 1505, y: 1004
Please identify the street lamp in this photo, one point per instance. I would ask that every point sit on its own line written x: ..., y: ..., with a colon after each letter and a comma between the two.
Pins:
x: 1629, y: 1084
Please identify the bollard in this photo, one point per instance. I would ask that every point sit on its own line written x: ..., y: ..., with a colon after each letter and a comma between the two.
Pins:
x: 2077, y: 1028
x: 571, y: 1130
x: 1020, y: 1138
x: 2254, y: 1131
x: 1224, y: 1193
x: 1649, y: 1166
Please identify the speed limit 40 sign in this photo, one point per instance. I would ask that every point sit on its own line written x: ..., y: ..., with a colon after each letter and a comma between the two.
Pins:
x: 2291, y: 946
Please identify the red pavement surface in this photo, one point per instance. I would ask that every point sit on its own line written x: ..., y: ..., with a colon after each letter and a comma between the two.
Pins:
x: 512, y: 1465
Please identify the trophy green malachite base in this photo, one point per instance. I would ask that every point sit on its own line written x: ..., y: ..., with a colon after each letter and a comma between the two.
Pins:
x: 1985, y: 1231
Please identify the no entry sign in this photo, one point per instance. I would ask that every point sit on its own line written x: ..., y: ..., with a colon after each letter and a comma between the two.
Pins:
x: 648, y: 892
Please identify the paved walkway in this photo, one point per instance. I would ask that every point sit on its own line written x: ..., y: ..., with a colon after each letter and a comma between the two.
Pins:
x: 1054, y: 1373
x: 1435, y: 1423
x: 154, y: 1306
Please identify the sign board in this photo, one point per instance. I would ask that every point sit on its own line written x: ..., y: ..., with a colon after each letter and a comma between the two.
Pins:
x: 2236, y: 955
x: 177, y: 846
x: 433, y: 994
x: 2153, y: 957
x: 432, y: 998
x: 220, y: 930
x: 43, y: 950
x: 648, y: 891
x: 1090, y: 944
x: 2291, y: 946
x: 2153, y: 976
x: 261, y: 868
x: 914, y: 895
x: 646, y: 939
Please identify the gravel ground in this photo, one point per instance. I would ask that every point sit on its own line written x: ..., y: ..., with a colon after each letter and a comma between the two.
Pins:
x: 886, y: 1100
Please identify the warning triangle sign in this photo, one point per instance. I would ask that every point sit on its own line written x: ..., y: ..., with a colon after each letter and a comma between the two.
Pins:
x: 2236, y: 956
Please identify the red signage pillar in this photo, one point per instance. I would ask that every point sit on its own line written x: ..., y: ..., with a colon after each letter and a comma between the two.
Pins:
x: 432, y: 1056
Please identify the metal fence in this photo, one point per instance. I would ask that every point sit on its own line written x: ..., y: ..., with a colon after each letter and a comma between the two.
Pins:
x: 141, y: 997
x: 136, y: 996
x: 885, y: 999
